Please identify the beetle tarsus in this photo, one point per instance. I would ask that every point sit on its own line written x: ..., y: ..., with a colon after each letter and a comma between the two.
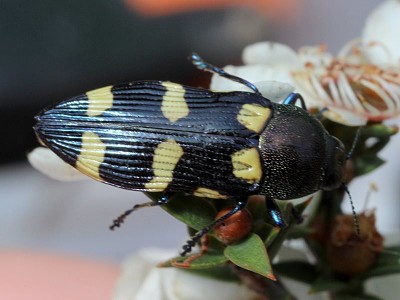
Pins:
x: 293, y: 98
x: 275, y: 213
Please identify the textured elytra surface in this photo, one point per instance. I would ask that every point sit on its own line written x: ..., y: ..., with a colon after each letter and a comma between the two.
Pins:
x: 208, y: 135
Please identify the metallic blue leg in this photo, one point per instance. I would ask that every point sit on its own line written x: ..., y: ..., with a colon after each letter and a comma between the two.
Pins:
x: 293, y: 98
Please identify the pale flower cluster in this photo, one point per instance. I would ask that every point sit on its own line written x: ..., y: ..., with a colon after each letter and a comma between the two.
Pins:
x: 141, y: 280
x: 360, y: 84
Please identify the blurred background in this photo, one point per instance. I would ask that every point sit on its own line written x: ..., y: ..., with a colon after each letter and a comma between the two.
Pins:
x: 52, y: 50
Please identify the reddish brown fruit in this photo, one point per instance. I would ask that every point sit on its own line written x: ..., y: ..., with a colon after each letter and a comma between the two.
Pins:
x: 235, y: 227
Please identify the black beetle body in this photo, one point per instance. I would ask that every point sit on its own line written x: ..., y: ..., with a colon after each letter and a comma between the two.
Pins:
x: 159, y: 136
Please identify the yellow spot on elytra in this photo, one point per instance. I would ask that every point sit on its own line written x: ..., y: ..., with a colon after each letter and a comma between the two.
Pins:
x: 165, y: 159
x: 174, y: 106
x: 247, y: 165
x: 208, y: 193
x: 91, y: 156
x: 99, y: 101
x: 254, y: 116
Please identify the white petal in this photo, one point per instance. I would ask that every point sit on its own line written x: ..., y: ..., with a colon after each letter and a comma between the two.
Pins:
x: 271, y: 54
x: 152, y: 285
x: 316, y: 56
x: 274, y: 90
x: 138, y: 275
x: 312, y: 91
x: 381, y: 33
x: 345, y: 117
x: 189, y: 286
x: 334, y: 92
x: 141, y: 279
x: 381, y: 93
x: 320, y: 91
x: 392, y: 89
x: 348, y: 93
x: 45, y: 161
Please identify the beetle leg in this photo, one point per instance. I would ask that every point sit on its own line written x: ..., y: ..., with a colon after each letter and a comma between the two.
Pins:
x: 275, y: 213
x: 205, y: 66
x: 320, y: 114
x: 164, y: 199
x: 293, y: 98
x: 187, y: 248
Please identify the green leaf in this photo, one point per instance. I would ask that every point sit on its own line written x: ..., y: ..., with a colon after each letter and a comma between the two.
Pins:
x: 251, y: 254
x: 367, y: 163
x: 273, y: 233
x: 194, y: 211
x: 342, y: 296
x: 327, y: 284
x: 379, y: 130
x: 375, y: 148
x: 264, y: 231
x: 297, y: 270
x: 275, y: 242
x: 298, y: 232
x: 388, y: 263
x: 197, y: 261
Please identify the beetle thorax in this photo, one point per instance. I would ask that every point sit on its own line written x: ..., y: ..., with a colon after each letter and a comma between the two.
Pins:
x: 294, y: 152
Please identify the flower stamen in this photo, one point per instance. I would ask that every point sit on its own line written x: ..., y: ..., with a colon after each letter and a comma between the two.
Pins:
x: 352, y: 84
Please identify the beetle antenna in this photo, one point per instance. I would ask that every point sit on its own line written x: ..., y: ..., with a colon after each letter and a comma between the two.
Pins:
x: 160, y: 201
x: 205, y: 66
x: 355, y: 141
x: 121, y: 218
x: 348, y: 156
x: 355, y: 217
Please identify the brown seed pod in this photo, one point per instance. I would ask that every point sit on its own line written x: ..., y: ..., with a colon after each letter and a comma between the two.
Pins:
x: 235, y: 227
x: 349, y: 253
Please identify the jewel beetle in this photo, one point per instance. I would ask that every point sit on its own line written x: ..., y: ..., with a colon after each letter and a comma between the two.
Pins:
x: 159, y: 136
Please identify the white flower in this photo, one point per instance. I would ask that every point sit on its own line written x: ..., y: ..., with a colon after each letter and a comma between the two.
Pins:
x: 381, y: 34
x: 353, y: 89
x: 264, y: 62
x: 350, y: 86
x: 47, y: 162
x: 141, y: 279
